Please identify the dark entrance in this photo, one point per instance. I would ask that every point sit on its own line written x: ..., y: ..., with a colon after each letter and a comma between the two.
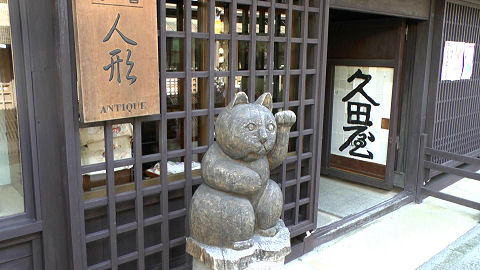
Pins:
x: 364, y: 75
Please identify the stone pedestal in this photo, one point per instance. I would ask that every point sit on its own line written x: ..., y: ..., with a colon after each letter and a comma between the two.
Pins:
x: 265, y: 253
x: 274, y: 265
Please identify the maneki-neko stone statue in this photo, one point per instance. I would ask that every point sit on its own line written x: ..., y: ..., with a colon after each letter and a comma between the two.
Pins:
x: 235, y: 214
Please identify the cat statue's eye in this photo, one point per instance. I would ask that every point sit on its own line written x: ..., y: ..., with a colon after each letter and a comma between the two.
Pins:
x: 270, y: 127
x: 251, y: 126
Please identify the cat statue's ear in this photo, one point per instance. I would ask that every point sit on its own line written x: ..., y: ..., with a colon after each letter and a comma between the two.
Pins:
x: 240, y: 98
x: 265, y: 100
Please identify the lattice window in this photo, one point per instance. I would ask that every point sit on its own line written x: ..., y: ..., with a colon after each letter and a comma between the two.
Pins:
x: 457, y: 115
x: 137, y: 192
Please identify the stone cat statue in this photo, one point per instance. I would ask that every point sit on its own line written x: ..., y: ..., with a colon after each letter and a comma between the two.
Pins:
x: 238, y: 199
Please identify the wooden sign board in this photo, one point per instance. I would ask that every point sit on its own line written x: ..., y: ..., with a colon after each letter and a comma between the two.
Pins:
x: 117, y: 58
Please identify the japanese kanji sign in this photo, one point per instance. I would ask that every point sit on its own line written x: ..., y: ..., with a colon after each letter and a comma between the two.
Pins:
x: 117, y: 58
x: 361, y: 101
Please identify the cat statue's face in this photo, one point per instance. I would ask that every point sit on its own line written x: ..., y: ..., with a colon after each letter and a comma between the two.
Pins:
x: 246, y: 131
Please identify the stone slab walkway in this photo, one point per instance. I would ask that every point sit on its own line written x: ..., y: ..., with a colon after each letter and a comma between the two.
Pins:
x: 404, y: 239
x: 463, y: 254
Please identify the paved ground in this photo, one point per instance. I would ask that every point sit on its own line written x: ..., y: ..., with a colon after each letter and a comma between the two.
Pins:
x: 406, y: 239
x: 339, y: 198
x: 463, y: 254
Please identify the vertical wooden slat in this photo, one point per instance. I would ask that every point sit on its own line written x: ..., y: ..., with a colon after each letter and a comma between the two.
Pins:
x: 137, y: 148
x: 301, y: 108
x: 422, y: 174
x: 112, y: 215
x: 188, y: 114
x: 286, y: 88
x: 319, y: 96
x: 474, y: 102
x: 79, y: 249
x: 211, y: 69
x: 283, y: 181
x: 81, y: 215
x: 252, y: 51
x: 163, y: 132
x: 288, y: 33
x: 232, y: 56
x: 271, y: 44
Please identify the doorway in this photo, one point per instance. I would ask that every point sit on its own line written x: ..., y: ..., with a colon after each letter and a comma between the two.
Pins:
x: 361, y: 118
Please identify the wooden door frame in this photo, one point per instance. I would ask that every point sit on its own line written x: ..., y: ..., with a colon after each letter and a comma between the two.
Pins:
x: 397, y: 64
x: 415, y: 95
x: 387, y: 183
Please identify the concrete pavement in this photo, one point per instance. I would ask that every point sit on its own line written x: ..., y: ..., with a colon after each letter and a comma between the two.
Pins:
x: 404, y: 239
x: 463, y: 254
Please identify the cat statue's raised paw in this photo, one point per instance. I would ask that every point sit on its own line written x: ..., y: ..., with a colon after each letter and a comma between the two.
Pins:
x: 237, y: 198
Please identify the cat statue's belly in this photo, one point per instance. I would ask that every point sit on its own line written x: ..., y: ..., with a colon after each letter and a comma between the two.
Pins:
x: 226, y: 215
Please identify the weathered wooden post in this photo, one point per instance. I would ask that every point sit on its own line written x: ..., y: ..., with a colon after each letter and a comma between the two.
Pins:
x: 235, y: 214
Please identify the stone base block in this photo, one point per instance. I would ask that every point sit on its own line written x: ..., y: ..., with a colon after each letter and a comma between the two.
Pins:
x: 266, y: 253
x: 198, y: 265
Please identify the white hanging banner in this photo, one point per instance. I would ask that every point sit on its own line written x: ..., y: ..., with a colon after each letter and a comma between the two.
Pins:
x: 468, y: 55
x: 457, y: 61
x: 452, y: 63
x: 362, y: 100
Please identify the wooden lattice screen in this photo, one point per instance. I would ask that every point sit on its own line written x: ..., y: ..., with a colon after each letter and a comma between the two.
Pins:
x: 457, y: 115
x: 136, y: 200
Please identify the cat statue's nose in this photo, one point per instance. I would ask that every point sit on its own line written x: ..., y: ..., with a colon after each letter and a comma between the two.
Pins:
x: 263, y: 135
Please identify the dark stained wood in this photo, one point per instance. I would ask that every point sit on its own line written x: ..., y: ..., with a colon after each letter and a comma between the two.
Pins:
x: 358, y: 166
x: 297, y: 250
x: 453, y: 111
x: 453, y: 156
x: 14, y: 253
x: 48, y: 144
x: 366, y: 39
x: 419, y: 79
x: 24, y: 263
x: 121, y: 177
x: 450, y: 170
x: 55, y: 228
x: 418, y: 9
x: 166, y: 242
x: 6, y: 72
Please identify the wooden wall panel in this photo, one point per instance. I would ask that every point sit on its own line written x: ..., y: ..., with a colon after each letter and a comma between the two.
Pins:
x: 16, y: 257
x: 372, y: 39
x: 418, y: 9
x: 456, y: 124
